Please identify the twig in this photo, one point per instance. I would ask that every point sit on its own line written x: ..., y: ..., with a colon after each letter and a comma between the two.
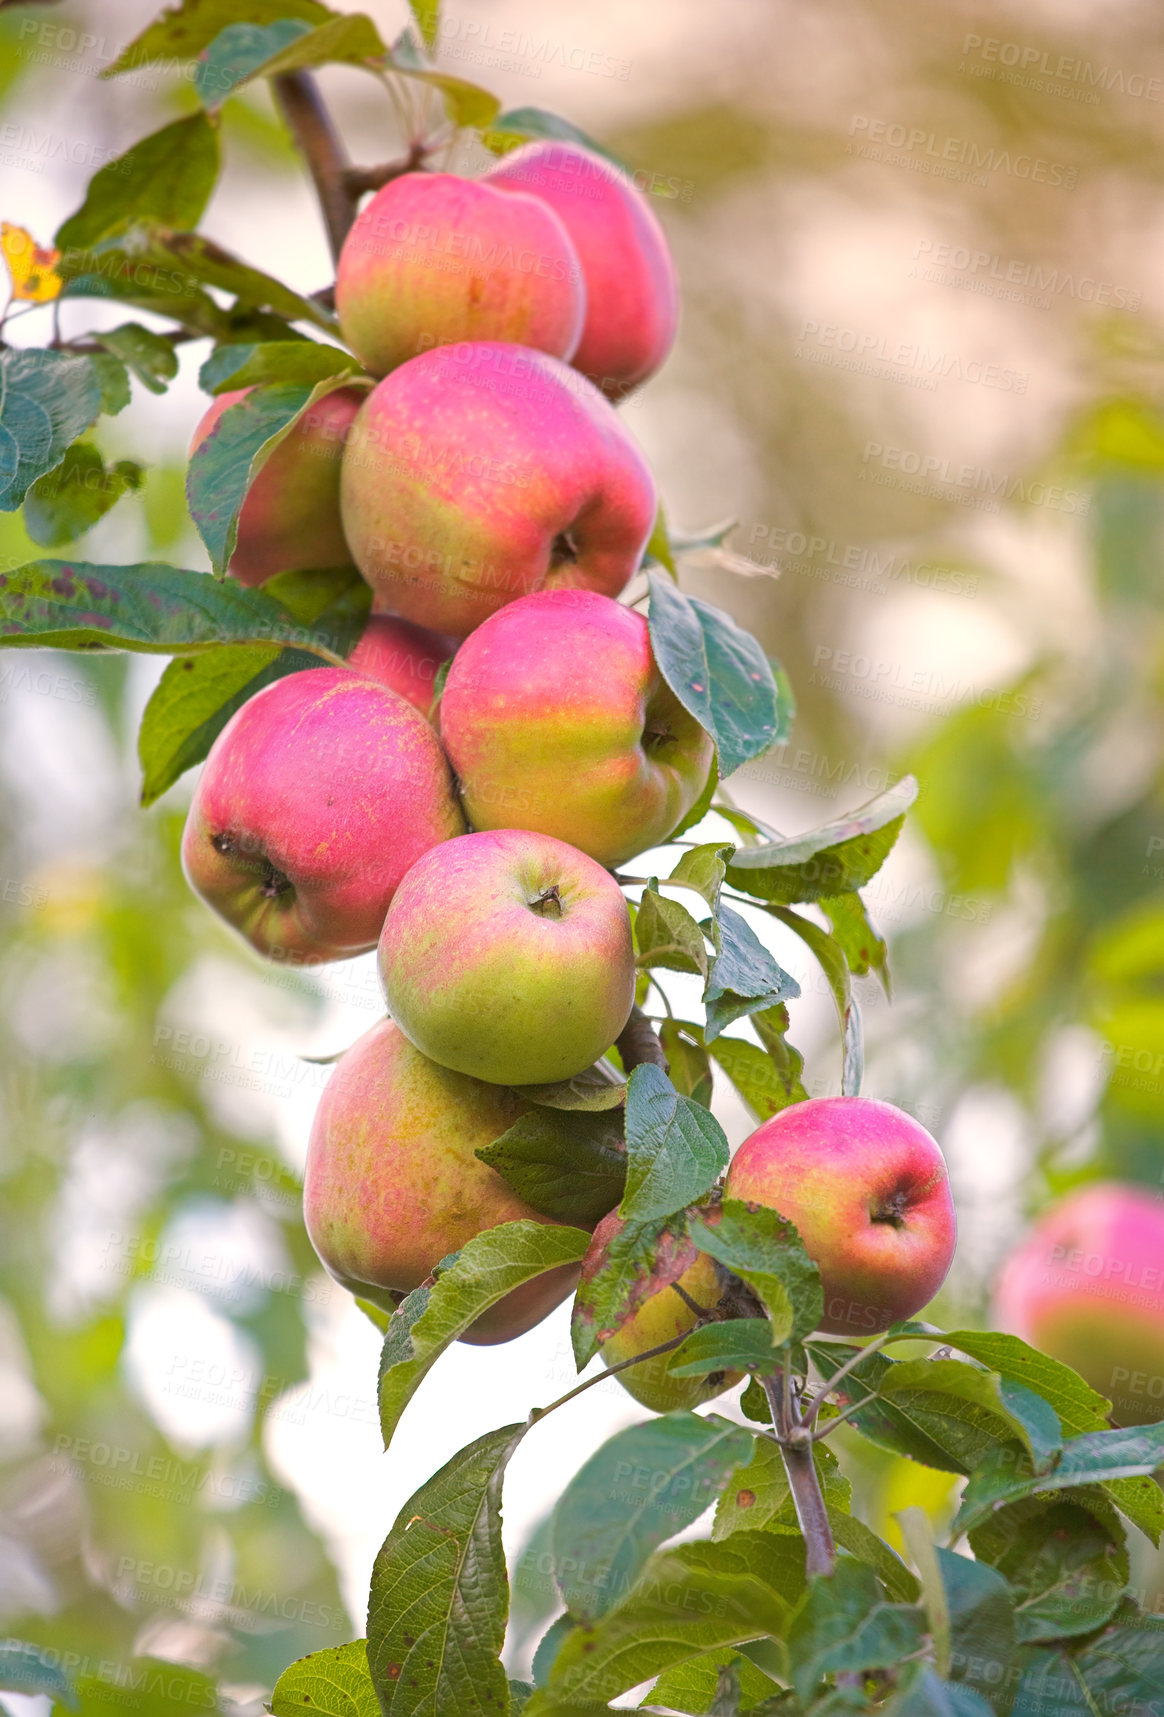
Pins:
x: 538, y: 1413
x: 357, y: 180
x: 637, y: 1043
x: 795, y: 1443
x: 830, y: 1425
x: 301, y: 105
x: 843, y: 1371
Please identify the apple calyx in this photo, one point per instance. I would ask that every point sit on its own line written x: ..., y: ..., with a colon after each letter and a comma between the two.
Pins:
x: 892, y: 1210
x: 274, y: 881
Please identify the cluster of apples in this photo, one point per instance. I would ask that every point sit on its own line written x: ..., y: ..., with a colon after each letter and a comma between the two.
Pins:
x: 492, y: 498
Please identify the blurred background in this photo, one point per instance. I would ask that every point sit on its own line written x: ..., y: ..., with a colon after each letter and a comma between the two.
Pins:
x: 923, y: 320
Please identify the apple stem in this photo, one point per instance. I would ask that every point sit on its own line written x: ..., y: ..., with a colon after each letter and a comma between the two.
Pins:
x: 637, y: 1043
x: 539, y: 1413
x: 795, y: 1444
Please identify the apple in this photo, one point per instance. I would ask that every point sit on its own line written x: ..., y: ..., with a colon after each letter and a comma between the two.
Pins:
x: 316, y: 798
x: 1087, y: 1286
x: 508, y: 956
x: 868, y: 1190
x: 632, y: 293
x: 434, y: 259
x: 479, y: 472
x: 556, y: 718
x: 290, y: 520
x: 402, y: 656
x: 655, y: 1313
x: 392, y: 1184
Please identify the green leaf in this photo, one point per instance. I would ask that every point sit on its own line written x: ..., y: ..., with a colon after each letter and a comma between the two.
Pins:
x: 658, y: 549
x: 701, y: 806
x: 744, y: 977
x: 30, y: 1670
x: 466, y: 103
x: 941, y: 1428
x: 74, y: 605
x: 335, y: 1682
x: 227, y: 462
x: 828, y: 861
x: 519, y: 1694
x: 704, y: 868
x: 854, y: 1536
x: 641, y: 1487
x: 598, y: 1087
x: 150, y: 356
x: 183, y: 30
x: 831, y: 960
x: 1034, y: 1422
x: 432, y: 1317
x: 197, y: 695
x: 289, y: 363
x: 46, y: 401
x: 167, y: 177
x: 767, y: 1253
x: 718, y: 672
x: 1096, y: 1456
x: 1121, y: 1671
x: 602, y: 1302
x: 863, y: 948
x: 755, y: 1494
x: 687, y: 1062
x: 688, y: 1601
x: 763, y: 1086
x: 1077, y: 1406
x: 676, y: 1149
x: 161, y: 1688
x: 741, y: 1344
x: 571, y: 1166
x: 844, y: 1624
x: 549, y: 1646
x: 982, y: 1622
x: 113, y: 380
x: 519, y: 124
x: 245, y: 51
x: 1064, y: 1558
x: 152, y: 246
x: 439, y: 1596
x: 69, y: 500
x: 922, y: 1693
x: 666, y: 935
x: 697, y: 1685
x: 427, y: 14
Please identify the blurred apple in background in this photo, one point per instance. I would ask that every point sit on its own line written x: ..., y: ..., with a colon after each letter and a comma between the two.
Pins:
x: 479, y: 472
x: 290, y: 520
x: 556, y: 718
x: 508, y: 956
x: 392, y: 1185
x: 402, y: 656
x: 1087, y: 1287
x: 868, y: 1190
x: 434, y: 259
x: 316, y: 798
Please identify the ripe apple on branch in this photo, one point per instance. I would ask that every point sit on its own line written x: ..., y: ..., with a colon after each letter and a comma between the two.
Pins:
x: 432, y: 719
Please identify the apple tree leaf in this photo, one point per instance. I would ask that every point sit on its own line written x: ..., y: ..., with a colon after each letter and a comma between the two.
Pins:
x: 570, y: 1165
x: 183, y: 30
x: 744, y: 978
x: 764, y: 1250
x: 718, y: 672
x: 740, y: 1344
x: 760, y: 1082
x: 69, y: 500
x: 200, y: 261
x: 1066, y: 1560
x: 863, y: 948
x: 46, y: 401
x: 335, y: 1682
x: 439, y: 1596
x: 287, y: 362
x: 167, y: 177
x: 245, y: 51
x: 521, y: 124
x: 1121, y: 1670
x: 688, y: 1065
x: 601, y: 1303
x: 676, y: 1149
x: 834, y: 859
x: 666, y: 935
x: 704, y: 868
x: 436, y: 1314
x: 831, y: 959
x: 641, y: 1487
x: 1097, y: 1456
x: 846, y: 1625
x: 150, y: 356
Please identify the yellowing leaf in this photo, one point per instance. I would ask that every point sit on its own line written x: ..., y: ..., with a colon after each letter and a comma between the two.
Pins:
x: 33, y: 269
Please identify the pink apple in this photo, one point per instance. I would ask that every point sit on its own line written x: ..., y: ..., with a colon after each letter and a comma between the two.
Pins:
x: 508, y: 956
x: 317, y: 796
x: 392, y: 1184
x: 867, y: 1187
x: 632, y: 294
x: 1087, y: 1287
x: 556, y: 718
x: 402, y: 656
x: 290, y: 520
x: 434, y: 259
x: 479, y: 472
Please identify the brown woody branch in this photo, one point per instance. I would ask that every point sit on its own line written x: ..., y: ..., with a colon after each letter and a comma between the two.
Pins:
x: 299, y: 101
x: 637, y: 1043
